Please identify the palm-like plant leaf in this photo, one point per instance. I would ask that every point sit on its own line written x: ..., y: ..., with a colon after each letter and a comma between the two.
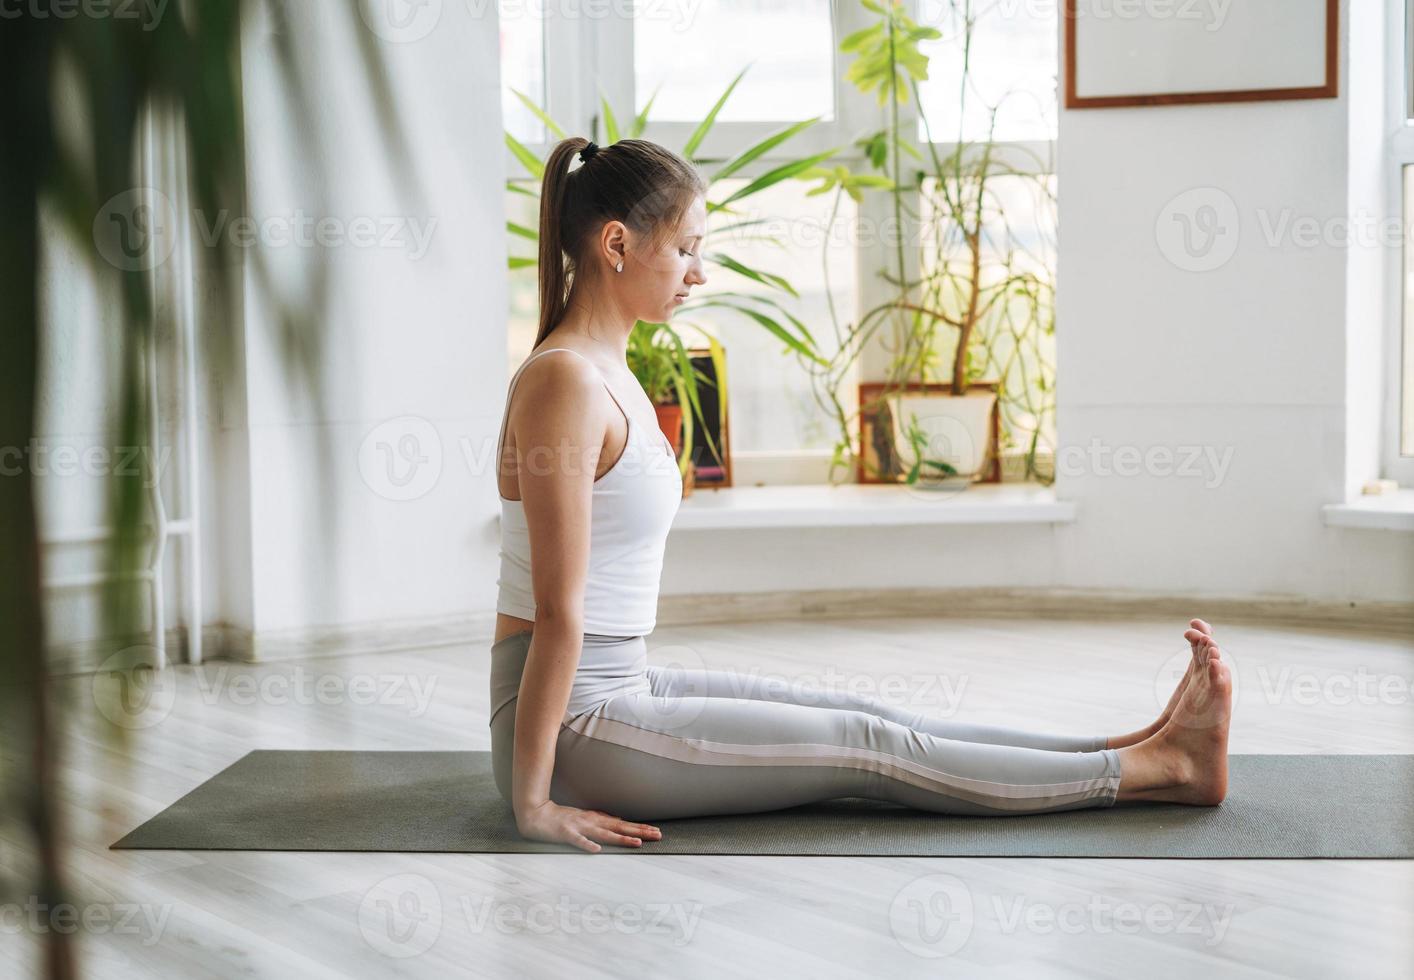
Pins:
x: 689, y: 149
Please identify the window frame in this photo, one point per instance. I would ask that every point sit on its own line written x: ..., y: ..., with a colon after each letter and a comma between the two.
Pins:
x: 575, y: 47
x: 1399, y: 153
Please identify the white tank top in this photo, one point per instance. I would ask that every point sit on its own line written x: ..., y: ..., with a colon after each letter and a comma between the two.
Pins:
x: 631, y: 510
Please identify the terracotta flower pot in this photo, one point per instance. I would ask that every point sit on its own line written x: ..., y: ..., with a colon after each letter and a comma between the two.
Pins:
x: 670, y: 421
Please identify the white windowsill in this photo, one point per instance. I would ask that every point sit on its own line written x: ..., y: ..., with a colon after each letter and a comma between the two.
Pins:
x: 1390, y: 512
x: 855, y: 505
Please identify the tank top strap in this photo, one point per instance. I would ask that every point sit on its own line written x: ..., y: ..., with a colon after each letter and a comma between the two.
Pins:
x: 506, y: 412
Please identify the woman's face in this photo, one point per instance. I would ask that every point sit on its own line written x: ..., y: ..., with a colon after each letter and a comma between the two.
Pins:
x: 655, y: 284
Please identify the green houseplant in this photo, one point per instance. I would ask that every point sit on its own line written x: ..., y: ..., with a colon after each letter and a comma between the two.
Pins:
x: 658, y: 352
x: 978, y: 293
x: 662, y: 363
x: 180, y: 70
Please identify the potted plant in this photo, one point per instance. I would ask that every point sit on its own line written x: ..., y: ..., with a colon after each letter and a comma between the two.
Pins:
x: 978, y: 293
x: 662, y: 363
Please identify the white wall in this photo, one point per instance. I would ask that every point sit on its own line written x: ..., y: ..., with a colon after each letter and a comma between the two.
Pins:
x: 1270, y: 361
x: 415, y: 343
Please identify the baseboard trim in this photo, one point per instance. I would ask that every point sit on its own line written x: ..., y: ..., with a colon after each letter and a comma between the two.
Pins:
x: 221, y: 641
x: 682, y: 610
x: 387, y: 636
x: 224, y: 642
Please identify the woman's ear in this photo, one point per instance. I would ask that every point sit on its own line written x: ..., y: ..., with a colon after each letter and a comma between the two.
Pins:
x: 615, y: 242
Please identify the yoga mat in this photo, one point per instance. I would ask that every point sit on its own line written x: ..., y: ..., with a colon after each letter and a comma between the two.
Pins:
x: 1278, y: 806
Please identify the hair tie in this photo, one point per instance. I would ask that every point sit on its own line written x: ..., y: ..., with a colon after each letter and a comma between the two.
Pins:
x: 587, y: 154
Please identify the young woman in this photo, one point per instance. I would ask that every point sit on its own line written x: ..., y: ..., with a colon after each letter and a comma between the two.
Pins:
x: 587, y: 738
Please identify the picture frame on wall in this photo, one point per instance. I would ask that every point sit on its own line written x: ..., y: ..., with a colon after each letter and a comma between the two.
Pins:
x: 710, y: 470
x: 1179, y: 53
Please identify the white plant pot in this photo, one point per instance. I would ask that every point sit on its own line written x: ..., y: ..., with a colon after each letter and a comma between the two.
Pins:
x: 958, y: 431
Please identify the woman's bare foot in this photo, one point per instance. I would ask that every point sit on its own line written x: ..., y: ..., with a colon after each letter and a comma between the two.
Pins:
x: 1186, y: 761
x: 1198, y: 635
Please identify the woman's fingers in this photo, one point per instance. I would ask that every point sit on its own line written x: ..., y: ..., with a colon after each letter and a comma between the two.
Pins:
x: 601, y: 826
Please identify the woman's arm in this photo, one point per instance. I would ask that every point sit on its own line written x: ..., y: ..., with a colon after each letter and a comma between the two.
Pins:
x: 559, y: 431
x: 558, y: 437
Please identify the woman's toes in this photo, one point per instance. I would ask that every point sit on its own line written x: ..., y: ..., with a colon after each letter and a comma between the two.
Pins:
x: 1201, y: 626
x: 1219, y: 674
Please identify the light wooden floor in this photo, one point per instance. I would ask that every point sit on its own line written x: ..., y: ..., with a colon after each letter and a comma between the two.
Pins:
x: 213, y: 914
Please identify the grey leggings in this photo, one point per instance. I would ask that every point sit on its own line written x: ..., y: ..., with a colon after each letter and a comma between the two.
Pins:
x: 644, y: 742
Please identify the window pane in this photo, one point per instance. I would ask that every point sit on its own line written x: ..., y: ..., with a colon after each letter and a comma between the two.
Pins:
x: 522, y: 67
x: 1406, y: 429
x: 695, y: 58
x: 1409, y: 59
x: 1015, y: 341
x: 770, y: 402
x: 1011, y: 67
x: 524, y: 287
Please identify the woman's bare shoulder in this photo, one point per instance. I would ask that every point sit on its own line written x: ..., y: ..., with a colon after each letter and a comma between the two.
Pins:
x: 558, y: 389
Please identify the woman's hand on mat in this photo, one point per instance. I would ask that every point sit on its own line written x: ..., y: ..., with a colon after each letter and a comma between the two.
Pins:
x: 583, y: 828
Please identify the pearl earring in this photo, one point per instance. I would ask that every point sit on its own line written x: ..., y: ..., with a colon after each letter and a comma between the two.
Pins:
x: 619, y: 267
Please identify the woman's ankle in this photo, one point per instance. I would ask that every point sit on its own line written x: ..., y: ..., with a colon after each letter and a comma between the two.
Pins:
x: 1149, y: 770
x: 1133, y: 738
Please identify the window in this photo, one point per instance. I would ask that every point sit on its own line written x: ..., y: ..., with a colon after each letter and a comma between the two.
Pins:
x: 796, y: 71
x: 1399, y: 441
x: 1406, y: 381
x: 1016, y: 345
x: 524, y: 210
x: 686, y: 61
x: 522, y: 68
x: 1013, y: 67
x: 772, y: 407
